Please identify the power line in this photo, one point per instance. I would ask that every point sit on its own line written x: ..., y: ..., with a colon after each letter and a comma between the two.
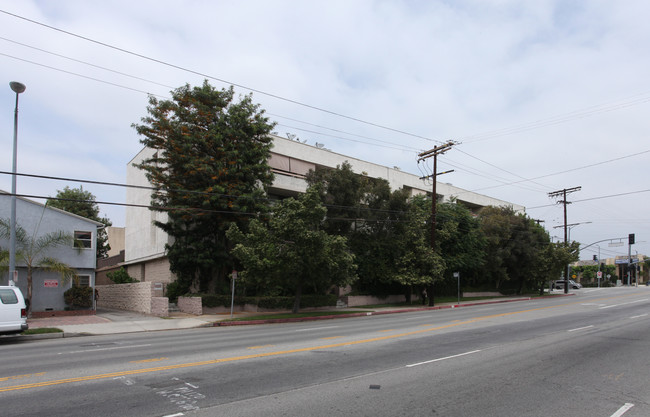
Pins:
x: 195, y: 72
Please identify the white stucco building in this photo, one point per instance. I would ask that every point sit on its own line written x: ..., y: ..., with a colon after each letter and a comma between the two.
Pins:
x: 290, y: 160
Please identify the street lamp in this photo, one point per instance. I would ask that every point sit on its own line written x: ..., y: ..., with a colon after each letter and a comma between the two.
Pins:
x: 17, y: 88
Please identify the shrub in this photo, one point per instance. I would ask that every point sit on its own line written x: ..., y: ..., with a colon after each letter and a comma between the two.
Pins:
x: 79, y: 297
x: 121, y: 277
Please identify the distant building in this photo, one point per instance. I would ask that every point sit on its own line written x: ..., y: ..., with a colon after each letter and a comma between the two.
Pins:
x: 38, y: 220
x: 290, y: 161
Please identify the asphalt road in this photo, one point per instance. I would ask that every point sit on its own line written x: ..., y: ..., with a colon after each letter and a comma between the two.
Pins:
x: 585, y: 355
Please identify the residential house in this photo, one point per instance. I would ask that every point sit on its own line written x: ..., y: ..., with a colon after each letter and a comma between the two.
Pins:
x: 38, y: 220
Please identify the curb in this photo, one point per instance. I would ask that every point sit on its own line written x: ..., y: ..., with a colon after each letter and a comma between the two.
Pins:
x: 370, y: 313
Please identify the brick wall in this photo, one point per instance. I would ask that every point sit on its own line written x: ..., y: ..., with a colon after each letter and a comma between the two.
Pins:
x: 363, y: 300
x: 190, y: 305
x: 156, y: 270
x: 132, y: 297
x: 160, y: 306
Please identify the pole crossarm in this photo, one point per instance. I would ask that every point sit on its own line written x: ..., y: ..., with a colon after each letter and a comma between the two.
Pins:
x: 436, y: 151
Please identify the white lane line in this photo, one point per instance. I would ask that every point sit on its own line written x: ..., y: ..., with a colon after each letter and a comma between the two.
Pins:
x: 580, y: 328
x: 622, y: 304
x: 622, y: 410
x: 316, y: 328
x: 640, y: 315
x: 174, y: 415
x: 97, y: 350
x: 441, y: 359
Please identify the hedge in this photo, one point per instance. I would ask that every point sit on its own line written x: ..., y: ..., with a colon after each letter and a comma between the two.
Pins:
x: 286, y: 303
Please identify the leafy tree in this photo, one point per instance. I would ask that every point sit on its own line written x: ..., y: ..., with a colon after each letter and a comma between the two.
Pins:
x: 292, y: 250
x: 32, y: 251
x: 210, y: 169
x: 82, y: 203
x: 417, y: 263
x: 560, y: 256
x: 461, y: 242
x: 341, y: 190
x: 516, y: 249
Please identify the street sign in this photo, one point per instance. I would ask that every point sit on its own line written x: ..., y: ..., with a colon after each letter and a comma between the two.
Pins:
x: 599, y: 274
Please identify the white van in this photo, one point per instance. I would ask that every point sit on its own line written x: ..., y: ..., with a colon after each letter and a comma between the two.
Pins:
x: 13, y: 312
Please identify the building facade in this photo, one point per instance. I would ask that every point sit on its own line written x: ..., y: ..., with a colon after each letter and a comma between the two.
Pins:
x: 290, y: 161
x: 38, y: 220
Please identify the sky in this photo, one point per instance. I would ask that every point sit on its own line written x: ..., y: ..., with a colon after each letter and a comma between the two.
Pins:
x: 538, y: 96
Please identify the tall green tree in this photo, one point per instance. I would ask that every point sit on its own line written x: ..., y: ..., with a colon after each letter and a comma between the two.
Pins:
x: 417, y: 264
x: 32, y: 251
x: 461, y: 243
x: 210, y: 169
x: 518, y: 251
x: 293, y: 250
x: 82, y: 203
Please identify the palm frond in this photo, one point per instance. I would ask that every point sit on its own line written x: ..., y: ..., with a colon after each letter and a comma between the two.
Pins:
x: 54, y: 265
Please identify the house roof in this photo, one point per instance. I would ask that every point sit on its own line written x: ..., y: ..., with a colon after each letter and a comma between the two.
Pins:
x: 98, y: 224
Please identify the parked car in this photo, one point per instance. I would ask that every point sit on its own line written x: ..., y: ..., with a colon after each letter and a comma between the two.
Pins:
x: 559, y: 284
x: 13, y: 311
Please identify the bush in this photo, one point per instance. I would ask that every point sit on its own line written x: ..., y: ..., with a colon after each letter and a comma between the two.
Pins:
x: 79, y: 297
x: 121, y: 277
x: 175, y: 290
x: 280, y: 303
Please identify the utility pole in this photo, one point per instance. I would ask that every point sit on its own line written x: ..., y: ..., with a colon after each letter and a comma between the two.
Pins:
x: 563, y: 193
x: 438, y: 150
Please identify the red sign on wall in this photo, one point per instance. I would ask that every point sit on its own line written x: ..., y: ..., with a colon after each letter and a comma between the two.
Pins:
x: 51, y: 283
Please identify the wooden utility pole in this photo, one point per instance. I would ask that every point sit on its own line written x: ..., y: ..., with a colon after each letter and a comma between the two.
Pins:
x: 438, y: 150
x: 563, y: 193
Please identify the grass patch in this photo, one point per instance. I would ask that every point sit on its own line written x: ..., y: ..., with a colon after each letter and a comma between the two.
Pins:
x: 291, y: 315
x: 42, y: 330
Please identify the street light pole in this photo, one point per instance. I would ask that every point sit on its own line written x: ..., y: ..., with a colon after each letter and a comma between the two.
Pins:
x: 16, y: 88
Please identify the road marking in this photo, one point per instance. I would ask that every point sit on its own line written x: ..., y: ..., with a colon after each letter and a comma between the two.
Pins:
x: 316, y: 328
x: 8, y: 378
x: 442, y: 359
x: 624, y: 304
x: 276, y: 353
x: 622, y: 410
x: 97, y: 350
x: 174, y: 415
x: 640, y: 315
x: 259, y: 347
x: 387, y: 330
x: 330, y: 338
x: 149, y: 360
x: 580, y: 328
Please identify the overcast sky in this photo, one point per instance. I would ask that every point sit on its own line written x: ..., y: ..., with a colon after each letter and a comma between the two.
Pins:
x: 540, y: 95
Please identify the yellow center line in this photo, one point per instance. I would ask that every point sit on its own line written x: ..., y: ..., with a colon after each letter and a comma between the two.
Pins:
x: 149, y: 360
x: 259, y: 347
x: 270, y: 354
x: 330, y: 338
x: 7, y: 378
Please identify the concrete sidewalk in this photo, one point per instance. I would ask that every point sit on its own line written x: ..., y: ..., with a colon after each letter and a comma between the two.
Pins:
x: 118, y: 321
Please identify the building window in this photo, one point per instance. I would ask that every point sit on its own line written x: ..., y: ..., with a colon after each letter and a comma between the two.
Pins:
x: 82, y: 281
x: 83, y: 239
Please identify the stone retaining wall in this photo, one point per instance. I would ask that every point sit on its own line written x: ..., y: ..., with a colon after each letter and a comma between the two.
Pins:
x: 138, y: 296
x: 190, y: 305
x: 364, y: 300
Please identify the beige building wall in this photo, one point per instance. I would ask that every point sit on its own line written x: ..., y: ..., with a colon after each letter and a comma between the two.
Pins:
x: 290, y: 160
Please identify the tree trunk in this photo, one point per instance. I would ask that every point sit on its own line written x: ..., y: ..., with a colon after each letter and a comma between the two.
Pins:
x: 430, y: 295
x: 296, y: 302
x: 29, y: 291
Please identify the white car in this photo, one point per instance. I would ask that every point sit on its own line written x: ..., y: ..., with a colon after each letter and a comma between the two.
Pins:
x: 13, y: 311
